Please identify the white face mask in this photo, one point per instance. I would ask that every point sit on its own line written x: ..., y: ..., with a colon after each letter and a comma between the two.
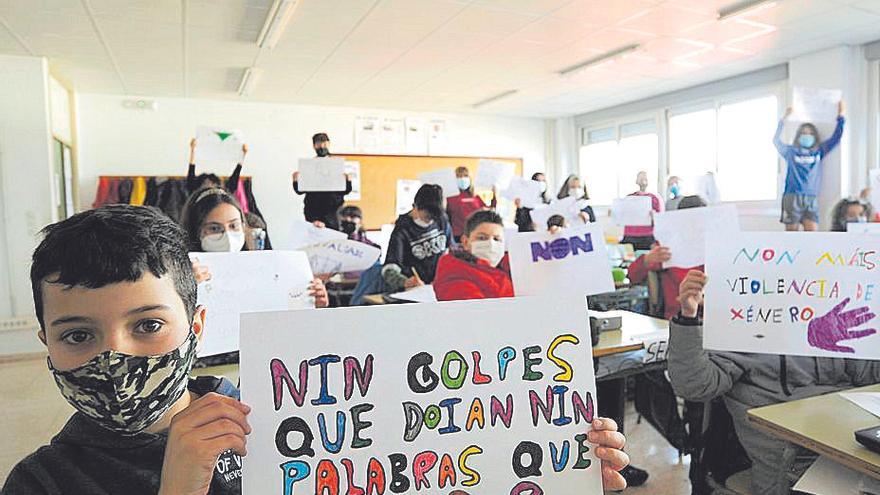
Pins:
x: 227, y: 242
x: 489, y: 250
x: 543, y: 187
x: 576, y: 192
x: 421, y: 223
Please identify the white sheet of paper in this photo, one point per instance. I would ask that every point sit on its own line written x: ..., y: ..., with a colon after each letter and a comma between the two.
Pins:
x: 216, y: 145
x: 420, y: 294
x: 367, y: 137
x: 526, y: 190
x: 707, y: 188
x: 863, y: 228
x: 406, y: 194
x: 826, y: 477
x: 794, y: 293
x: 569, y: 207
x: 304, y: 233
x: 438, y: 137
x: 249, y: 281
x: 321, y: 174
x: 381, y: 237
x: 392, y: 135
x: 573, y: 261
x: 416, y: 136
x: 494, y: 173
x: 374, y: 347
x: 632, y: 211
x: 869, y: 401
x: 445, y: 178
x: 684, y: 232
x: 343, y: 255
x: 353, y: 169
x: 814, y: 104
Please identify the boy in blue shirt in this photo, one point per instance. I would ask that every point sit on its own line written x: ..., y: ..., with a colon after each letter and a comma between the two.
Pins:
x: 800, y: 203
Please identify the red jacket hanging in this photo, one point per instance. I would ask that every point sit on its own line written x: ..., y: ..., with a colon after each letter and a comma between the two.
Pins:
x: 461, y: 275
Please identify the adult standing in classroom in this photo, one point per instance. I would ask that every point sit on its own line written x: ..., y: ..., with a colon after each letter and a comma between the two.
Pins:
x: 460, y: 207
x: 803, y: 159
x: 321, y: 206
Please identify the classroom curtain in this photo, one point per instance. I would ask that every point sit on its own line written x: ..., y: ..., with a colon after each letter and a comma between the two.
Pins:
x: 166, y: 193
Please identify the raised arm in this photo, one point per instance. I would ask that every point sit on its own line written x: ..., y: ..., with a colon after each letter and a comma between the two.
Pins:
x: 781, y: 147
x: 232, y: 180
x: 296, y: 183
x: 832, y: 142
x: 191, y: 181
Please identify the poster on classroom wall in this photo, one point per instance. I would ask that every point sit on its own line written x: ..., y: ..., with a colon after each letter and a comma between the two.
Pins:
x: 796, y: 293
x: 367, y: 137
x: 353, y: 170
x: 416, y: 136
x: 392, y: 136
x: 421, y: 398
x: 438, y: 137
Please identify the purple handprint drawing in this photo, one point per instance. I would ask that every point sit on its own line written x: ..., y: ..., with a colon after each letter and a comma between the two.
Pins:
x: 825, y: 332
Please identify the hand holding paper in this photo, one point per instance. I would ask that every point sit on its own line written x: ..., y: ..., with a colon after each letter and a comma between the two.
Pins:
x: 690, y: 293
x: 825, y: 332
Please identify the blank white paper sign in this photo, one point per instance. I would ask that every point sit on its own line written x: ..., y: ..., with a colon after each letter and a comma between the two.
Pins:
x: 215, y: 145
x: 632, y: 211
x: 321, y: 174
x: 494, y: 173
x: 526, y: 190
x: 248, y: 281
x: 444, y: 178
x: 815, y: 104
x: 684, y: 232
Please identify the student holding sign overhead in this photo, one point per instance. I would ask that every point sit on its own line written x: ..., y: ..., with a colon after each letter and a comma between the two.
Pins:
x: 748, y: 380
x: 194, y: 181
x: 460, y: 207
x: 320, y: 207
x: 420, y: 237
x: 803, y: 158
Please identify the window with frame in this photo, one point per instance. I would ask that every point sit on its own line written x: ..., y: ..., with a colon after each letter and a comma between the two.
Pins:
x: 611, y: 157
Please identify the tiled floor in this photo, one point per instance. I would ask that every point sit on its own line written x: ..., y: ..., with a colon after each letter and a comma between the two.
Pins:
x: 33, y: 411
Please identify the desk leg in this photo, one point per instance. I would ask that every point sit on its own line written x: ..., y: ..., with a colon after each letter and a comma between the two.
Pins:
x: 611, y: 400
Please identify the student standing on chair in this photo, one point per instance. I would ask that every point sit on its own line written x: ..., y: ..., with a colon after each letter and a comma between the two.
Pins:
x: 320, y: 207
x: 803, y: 160
x: 460, y: 207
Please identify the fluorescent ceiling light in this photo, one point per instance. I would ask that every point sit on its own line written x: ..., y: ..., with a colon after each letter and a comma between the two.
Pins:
x: 248, y: 81
x: 743, y: 7
x: 605, y: 57
x: 276, y: 22
x: 495, y: 98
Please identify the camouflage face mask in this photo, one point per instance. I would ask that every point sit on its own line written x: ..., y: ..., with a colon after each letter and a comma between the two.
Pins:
x: 124, y: 393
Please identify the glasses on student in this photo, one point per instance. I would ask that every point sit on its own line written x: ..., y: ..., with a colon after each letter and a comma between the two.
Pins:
x: 215, y: 228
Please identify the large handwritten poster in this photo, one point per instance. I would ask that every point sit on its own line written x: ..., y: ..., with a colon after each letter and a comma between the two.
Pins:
x: 421, y: 398
x: 805, y: 294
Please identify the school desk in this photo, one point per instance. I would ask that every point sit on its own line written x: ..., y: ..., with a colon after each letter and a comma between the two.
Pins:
x: 635, y: 330
x: 825, y: 425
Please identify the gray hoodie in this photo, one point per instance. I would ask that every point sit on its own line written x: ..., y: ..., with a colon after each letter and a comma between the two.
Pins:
x: 754, y: 380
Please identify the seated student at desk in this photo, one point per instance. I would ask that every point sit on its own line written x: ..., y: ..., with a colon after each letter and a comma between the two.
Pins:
x: 480, y: 270
x: 747, y: 380
x: 652, y: 261
x: 420, y: 237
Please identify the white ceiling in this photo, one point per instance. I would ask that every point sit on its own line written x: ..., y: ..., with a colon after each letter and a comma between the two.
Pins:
x: 434, y: 55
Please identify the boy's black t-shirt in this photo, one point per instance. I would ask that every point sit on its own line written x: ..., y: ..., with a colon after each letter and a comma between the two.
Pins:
x: 412, y: 246
x: 85, y: 458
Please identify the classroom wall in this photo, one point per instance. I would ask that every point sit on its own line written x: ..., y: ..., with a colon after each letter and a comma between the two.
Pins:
x: 114, y: 140
x: 25, y: 187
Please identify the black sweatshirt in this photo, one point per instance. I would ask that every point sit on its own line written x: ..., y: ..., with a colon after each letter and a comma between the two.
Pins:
x: 192, y: 180
x: 86, y: 458
x: 323, y: 205
x: 411, y: 246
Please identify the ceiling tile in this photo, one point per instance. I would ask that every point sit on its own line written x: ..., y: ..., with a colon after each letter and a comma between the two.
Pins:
x: 535, y: 7
x: 602, y: 12
x: 161, y: 11
x: 555, y: 33
x: 666, y: 20
x: 491, y: 21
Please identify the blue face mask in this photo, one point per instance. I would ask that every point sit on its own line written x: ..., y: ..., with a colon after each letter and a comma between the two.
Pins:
x: 674, y: 190
x: 464, y: 183
x: 807, y: 140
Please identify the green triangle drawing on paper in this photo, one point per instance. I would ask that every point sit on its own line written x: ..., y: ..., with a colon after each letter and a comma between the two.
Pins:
x: 222, y: 135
